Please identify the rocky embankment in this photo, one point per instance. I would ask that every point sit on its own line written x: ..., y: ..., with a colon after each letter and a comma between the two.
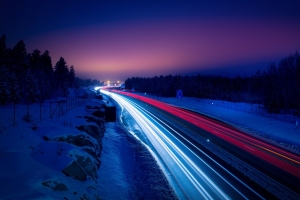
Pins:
x: 82, y: 146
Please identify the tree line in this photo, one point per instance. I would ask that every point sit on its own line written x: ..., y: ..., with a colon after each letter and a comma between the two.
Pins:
x: 277, y: 89
x: 30, y: 77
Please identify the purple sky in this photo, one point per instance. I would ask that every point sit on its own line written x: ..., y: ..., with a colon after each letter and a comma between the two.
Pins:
x: 114, y: 41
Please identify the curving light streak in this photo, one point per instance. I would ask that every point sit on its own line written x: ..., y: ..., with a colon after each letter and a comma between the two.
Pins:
x: 192, y: 179
x: 283, y: 159
x: 186, y: 140
x: 179, y: 165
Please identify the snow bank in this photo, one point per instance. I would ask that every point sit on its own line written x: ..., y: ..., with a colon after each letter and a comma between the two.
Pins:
x: 135, y: 173
x: 72, y: 154
x: 58, y: 159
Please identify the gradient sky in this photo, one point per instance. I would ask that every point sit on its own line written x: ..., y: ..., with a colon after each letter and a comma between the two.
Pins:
x: 111, y: 40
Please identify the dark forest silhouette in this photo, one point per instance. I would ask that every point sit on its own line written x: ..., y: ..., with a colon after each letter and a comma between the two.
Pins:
x: 30, y: 77
x: 277, y: 89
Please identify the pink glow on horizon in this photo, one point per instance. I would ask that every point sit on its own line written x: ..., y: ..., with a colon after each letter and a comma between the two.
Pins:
x: 165, y: 47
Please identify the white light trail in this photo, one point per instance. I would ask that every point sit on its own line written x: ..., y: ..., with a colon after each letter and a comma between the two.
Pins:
x: 191, y: 179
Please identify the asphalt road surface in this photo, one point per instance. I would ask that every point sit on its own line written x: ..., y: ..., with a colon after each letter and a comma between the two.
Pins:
x: 193, y: 169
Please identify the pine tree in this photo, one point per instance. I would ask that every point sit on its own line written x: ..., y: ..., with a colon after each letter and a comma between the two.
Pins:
x: 13, y: 86
x: 47, y: 82
x: 32, y: 91
x: 65, y: 91
x: 4, y: 90
x: 72, y: 76
x: 18, y: 60
x: 19, y: 55
x: 35, y: 62
x: 47, y: 64
x: 14, y: 95
x: 61, y: 75
x: 61, y: 70
x: 2, y: 50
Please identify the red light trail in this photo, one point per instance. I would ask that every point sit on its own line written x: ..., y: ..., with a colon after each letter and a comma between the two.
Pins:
x: 281, y: 158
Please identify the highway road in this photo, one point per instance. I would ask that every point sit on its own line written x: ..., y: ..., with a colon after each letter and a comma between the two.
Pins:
x: 191, y: 168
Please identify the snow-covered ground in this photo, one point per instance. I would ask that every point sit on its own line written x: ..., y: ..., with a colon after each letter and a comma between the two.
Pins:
x: 59, y: 137
x: 33, y: 155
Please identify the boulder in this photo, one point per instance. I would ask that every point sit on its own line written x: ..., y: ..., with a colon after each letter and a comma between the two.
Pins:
x: 55, y: 185
x: 100, y: 122
x: 93, y: 131
x: 77, y: 140
x: 75, y: 171
x: 94, y: 154
x: 88, y: 166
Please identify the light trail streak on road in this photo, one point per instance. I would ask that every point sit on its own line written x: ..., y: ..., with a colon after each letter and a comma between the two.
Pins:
x: 192, y: 173
x: 272, y: 154
x: 247, y: 139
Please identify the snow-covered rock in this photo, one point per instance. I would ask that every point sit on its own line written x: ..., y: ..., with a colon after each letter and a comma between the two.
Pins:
x: 48, y: 162
x: 75, y: 170
x: 85, y: 166
x: 55, y: 185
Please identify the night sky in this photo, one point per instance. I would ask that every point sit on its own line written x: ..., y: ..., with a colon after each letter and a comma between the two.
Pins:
x: 109, y: 40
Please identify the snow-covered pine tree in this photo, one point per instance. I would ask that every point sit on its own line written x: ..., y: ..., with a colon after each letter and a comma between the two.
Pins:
x: 14, y: 96
x: 13, y: 86
x: 44, y: 86
x: 32, y: 91
x: 64, y: 88
x: 4, y: 90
